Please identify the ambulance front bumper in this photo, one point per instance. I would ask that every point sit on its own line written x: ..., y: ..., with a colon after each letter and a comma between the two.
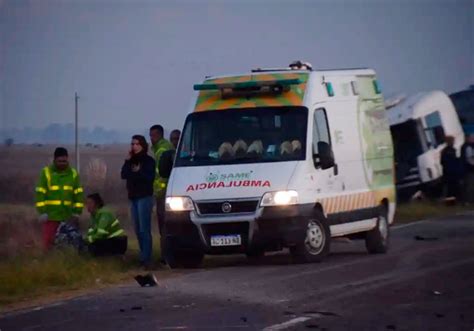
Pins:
x: 267, y: 227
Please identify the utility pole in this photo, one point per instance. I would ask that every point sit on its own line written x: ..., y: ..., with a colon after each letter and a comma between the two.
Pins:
x: 76, y: 140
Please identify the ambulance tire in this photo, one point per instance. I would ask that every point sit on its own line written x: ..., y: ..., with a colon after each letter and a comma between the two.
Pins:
x: 377, y: 240
x: 177, y: 258
x: 316, y: 245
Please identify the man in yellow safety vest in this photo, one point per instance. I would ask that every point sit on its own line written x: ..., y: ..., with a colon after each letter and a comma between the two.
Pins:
x: 59, y: 195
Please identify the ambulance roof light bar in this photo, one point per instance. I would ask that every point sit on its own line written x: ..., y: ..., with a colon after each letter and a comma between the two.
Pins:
x: 247, y: 85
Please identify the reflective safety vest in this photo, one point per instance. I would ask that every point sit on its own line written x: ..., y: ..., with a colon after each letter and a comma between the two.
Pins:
x: 160, y: 183
x: 59, y: 193
x: 104, y: 225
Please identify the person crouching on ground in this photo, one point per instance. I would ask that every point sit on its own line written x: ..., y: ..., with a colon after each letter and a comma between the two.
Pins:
x: 139, y: 172
x: 105, y: 235
x: 59, y: 196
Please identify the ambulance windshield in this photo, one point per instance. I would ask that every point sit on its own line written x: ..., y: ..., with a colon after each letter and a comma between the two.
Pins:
x: 251, y: 135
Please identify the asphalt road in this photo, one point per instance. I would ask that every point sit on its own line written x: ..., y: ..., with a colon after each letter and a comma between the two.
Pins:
x: 418, y: 285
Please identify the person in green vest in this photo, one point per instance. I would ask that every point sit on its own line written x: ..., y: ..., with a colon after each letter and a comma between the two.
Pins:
x: 159, y: 146
x: 59, y: 195
x: 105, y: 235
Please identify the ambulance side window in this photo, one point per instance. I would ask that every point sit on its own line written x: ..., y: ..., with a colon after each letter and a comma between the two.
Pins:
x: 320, y: 129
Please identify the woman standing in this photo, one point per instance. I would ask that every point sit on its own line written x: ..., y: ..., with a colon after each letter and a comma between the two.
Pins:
x: 139, y: 171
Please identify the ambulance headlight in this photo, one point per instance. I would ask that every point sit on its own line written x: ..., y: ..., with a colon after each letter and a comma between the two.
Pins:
x: 179, y: 204
x: 279, y: 198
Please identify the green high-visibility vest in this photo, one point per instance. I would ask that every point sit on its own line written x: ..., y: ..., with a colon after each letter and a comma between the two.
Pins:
x: 104, y: 225
x: 59, y: 193
x: 160, y: 184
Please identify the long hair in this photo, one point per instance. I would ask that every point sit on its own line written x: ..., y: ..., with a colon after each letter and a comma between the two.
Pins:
x: 142, y: 141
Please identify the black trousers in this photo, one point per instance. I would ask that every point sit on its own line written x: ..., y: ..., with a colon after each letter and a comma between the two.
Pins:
x: 107, y: 247
x: 452, y: 185
x: 160, y: 213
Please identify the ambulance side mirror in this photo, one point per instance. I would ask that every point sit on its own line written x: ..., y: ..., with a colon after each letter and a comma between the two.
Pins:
x: 324, y: 159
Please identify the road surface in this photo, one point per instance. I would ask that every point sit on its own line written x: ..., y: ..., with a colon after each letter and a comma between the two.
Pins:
x: 419, y: 285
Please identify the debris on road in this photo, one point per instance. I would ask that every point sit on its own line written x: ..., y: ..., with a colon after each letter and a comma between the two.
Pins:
x: 137, y: 308
x: 437, y: 293
x: 418, y: 237
x: 147, y: 280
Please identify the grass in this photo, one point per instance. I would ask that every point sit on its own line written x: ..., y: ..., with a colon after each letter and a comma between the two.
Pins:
x: 419, y: 210
x: 29, y: 276
x: 26, y: 273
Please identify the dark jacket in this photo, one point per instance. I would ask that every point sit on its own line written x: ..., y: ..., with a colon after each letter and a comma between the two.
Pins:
x: 139, y: 183
x: 452, y: 167
x: 464, y: 157
x: 166, y: 163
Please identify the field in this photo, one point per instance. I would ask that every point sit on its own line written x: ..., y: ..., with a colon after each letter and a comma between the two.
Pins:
x: 100, y: 171
x: 26, y: 272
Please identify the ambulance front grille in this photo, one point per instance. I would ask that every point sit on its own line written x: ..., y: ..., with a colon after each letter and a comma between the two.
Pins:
x: 236, y: 207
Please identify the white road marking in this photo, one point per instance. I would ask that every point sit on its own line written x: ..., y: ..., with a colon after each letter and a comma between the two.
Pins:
x: 287, y: 324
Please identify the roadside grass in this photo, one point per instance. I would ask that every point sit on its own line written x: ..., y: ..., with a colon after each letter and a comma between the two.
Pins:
x: 30, y: 276
x: 419, y: 210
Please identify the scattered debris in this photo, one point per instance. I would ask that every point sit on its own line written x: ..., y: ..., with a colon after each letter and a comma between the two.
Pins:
x: 289, y: 313
x: 184, y: 306
x: 122, y: 310
x: 243, y: 319
x: 437, y: 293
x: 312, y: 326
x: 418, y: 237
x: 418, y: 196
x: 137, y: 308
x: 391, y: 327
x: 439, y: 315
x: 147, y: 280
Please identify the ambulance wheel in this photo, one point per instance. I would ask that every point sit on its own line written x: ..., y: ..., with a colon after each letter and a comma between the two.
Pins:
x: 178, y: 258
x: 377, y: 239
x: 316, y: 243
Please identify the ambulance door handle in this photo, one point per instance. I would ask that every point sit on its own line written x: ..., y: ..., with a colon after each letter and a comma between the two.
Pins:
x: 336, y: 170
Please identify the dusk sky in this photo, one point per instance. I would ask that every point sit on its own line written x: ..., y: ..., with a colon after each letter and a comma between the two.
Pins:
x: 133, y: 63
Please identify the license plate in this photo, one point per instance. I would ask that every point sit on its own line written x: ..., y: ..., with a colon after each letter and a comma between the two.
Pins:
x: 230, y: 240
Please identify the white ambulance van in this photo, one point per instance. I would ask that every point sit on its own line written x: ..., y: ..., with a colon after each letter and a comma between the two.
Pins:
x: 279, y: 159
x: 419, y: 126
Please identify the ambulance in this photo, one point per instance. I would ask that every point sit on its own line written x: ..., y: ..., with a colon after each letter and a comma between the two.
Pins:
x: 281, y: 158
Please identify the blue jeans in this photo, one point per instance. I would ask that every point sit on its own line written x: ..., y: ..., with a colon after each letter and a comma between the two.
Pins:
x: 141, y: 213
